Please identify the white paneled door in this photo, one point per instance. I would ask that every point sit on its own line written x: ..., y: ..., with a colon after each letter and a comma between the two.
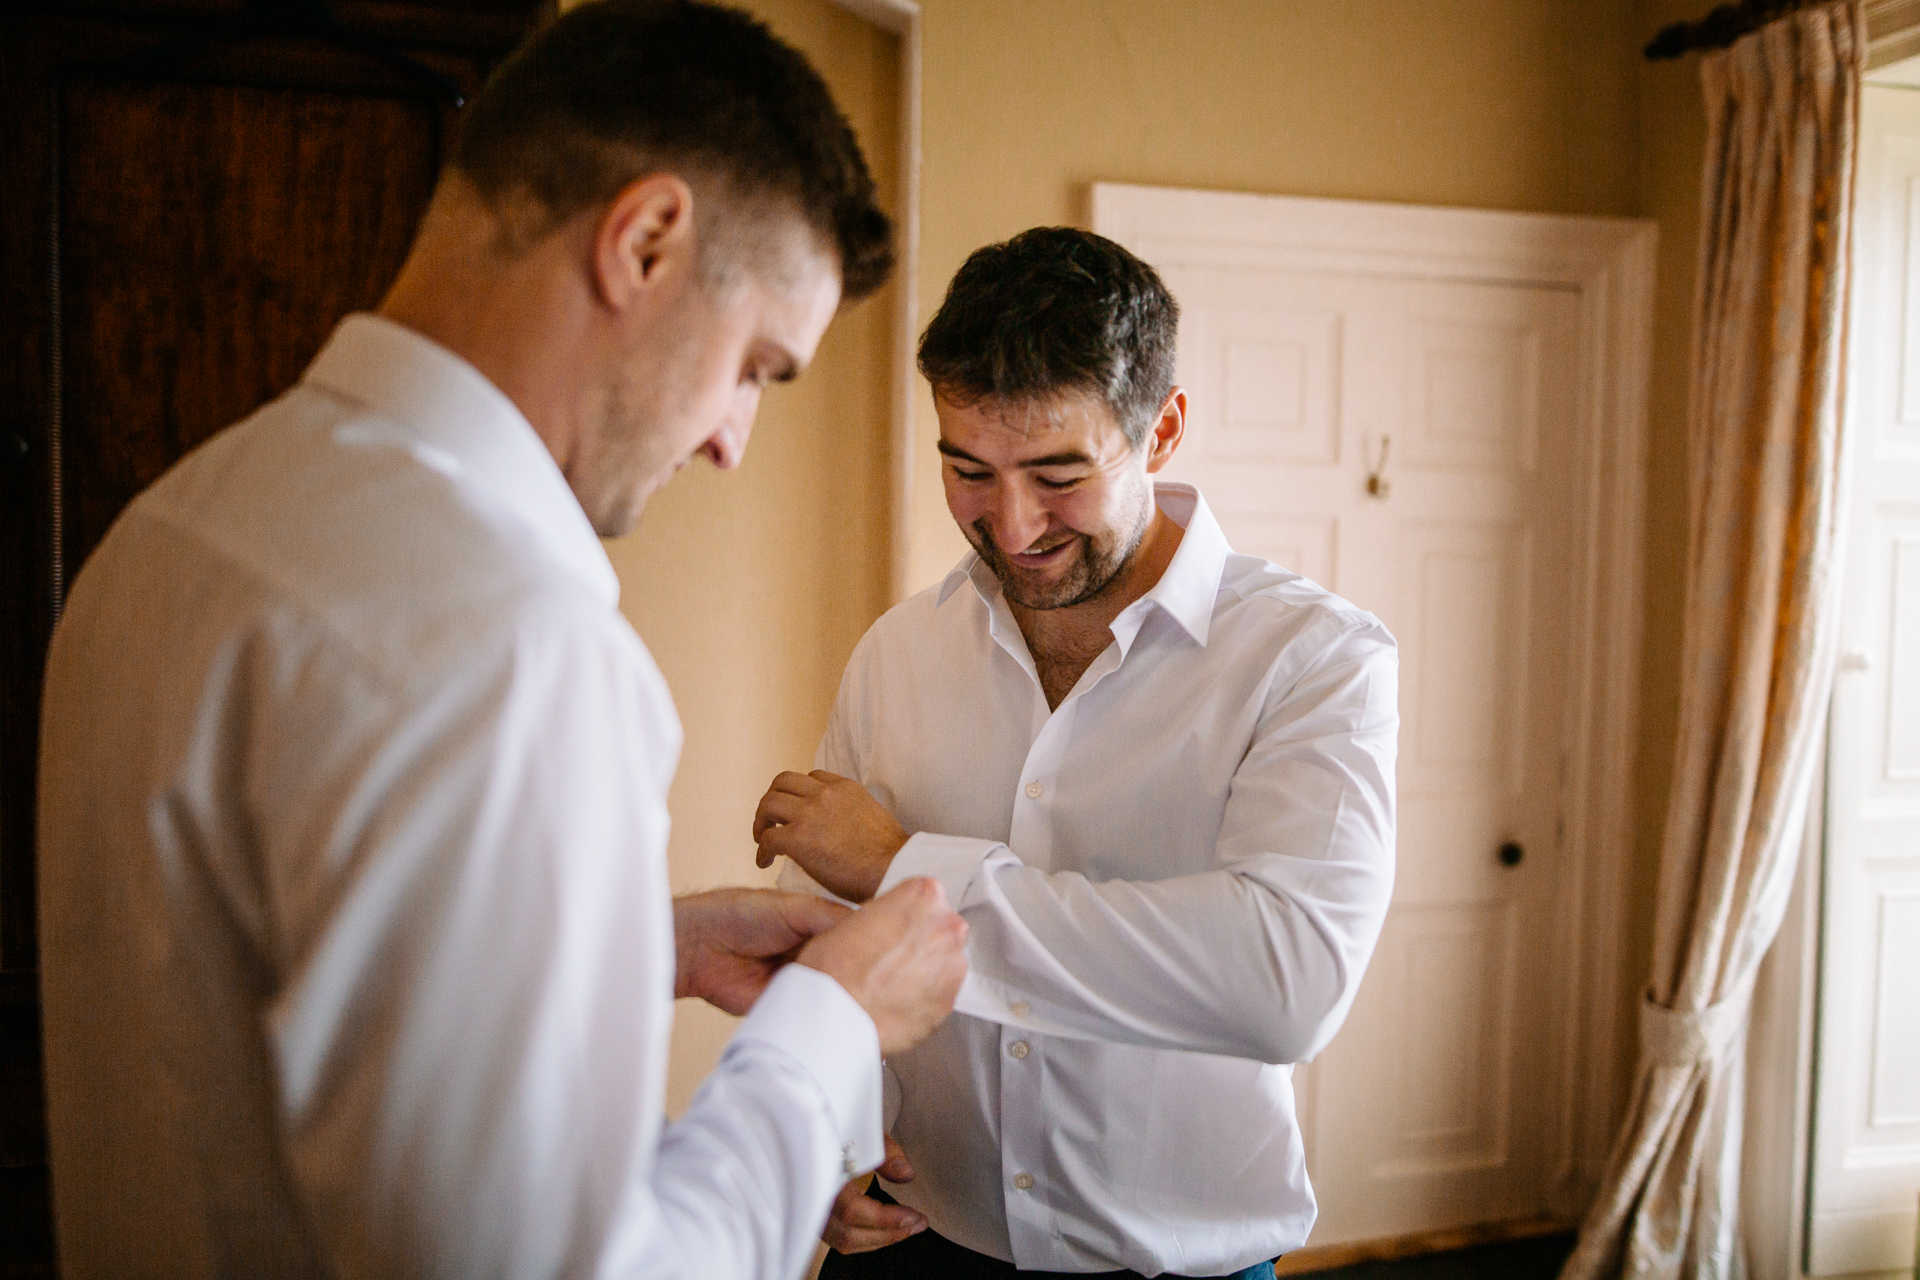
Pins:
x: 1866, y: 1173
x: 1418, y: 422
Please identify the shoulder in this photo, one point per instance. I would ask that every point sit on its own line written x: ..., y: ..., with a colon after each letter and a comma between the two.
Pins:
x: 324, y: 514
x: 1295, y: 621
x: 918, y: 624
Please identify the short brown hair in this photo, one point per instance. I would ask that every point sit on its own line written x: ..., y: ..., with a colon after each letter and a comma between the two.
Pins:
x: 615, y: 89
x: 1053, y: 310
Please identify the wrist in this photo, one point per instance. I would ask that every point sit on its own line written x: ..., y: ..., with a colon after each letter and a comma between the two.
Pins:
x: 886, y: 849
x: 683, y: 965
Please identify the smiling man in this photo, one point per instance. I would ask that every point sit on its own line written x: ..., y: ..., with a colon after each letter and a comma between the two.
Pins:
x: 1156, y: 777
x: 358, y: 950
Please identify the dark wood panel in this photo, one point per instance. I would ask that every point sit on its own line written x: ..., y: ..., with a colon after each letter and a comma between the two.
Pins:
x: 176, y: 240
x: 246, y: 222
x: 26, y: 408
x: 26, y: 1219
x: 486, y: 27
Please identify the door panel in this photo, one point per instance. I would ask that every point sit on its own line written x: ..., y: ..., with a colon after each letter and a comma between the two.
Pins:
x: 1452, y: 1104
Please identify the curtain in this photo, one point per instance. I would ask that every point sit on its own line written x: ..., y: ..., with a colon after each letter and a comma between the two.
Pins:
x: 1759, y: 629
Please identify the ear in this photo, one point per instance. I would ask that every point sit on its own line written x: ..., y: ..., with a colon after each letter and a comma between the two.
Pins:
x: 1168, y: 431
x: 645, y: 235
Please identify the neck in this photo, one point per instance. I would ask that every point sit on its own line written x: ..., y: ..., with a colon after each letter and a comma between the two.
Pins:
x: 1079, y: 632
x: 515, y: 317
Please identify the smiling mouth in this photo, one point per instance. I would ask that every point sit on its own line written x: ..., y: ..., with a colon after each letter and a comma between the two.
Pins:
x: 1040, y: 559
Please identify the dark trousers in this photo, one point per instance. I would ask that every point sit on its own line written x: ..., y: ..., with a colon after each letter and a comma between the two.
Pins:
x: 928, y: 1256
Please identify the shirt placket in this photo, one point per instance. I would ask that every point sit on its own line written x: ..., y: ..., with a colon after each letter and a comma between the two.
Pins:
x: 1024, y: 1115
x: 1023, y: 1068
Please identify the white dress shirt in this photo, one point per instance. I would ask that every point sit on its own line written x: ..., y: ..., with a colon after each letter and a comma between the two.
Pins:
x: 357, y: 943
x: 1174, y: 882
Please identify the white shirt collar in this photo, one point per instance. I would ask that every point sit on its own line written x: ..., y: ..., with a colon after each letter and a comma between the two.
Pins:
x: 471, y: 428
x: 1186, y: 589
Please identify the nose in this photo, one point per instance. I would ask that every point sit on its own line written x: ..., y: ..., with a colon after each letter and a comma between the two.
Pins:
x: 1019, y: 518
x: 727, y: 446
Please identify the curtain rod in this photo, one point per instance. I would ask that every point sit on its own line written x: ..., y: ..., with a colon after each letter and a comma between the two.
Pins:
x: 1718, y: 29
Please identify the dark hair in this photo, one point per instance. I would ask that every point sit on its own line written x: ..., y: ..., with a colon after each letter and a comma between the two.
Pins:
x: 1056, y: 309
x: 614, y: 89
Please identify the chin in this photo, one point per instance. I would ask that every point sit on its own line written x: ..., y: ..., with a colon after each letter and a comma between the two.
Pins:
x: 1055, y: 592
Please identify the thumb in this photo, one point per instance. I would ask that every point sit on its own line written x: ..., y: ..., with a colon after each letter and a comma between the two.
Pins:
x: 809, y: 914
x: 896, y: 1167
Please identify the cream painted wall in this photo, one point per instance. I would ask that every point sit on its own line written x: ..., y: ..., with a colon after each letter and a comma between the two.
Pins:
x: 751, y: 588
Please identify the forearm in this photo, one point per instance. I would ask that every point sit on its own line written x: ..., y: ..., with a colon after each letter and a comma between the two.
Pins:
x: 1258, y: 960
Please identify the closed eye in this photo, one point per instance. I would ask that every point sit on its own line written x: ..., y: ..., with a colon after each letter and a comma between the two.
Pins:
x: 775, y: 366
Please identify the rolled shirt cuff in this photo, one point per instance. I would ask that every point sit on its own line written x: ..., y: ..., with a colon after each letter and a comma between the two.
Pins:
x: 954, y: 861
x: 961, y: 865
x: 808, y: 1016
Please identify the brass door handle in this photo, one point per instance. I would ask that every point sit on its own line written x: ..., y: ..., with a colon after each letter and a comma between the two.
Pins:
x: 1378, y: 486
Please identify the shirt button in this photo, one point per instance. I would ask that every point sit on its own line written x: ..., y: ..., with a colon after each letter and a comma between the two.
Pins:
x: 1035, y: 790
x: 1020, y: 1008
x: 1018, y: 1048
x: 1023, y: 1182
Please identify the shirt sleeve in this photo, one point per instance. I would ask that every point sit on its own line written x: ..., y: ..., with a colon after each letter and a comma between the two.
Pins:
x: 1258, y: 958
x: 471, y: 1044
x: 740, y: 1183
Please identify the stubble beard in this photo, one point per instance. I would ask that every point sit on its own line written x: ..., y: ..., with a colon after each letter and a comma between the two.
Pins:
x: 1097, y: 564
x: 626, y: 458
x: 614, y: 464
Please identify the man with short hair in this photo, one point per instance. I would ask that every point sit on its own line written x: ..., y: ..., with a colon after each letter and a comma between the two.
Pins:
x: 1156, y: 778
x: 359, y: 956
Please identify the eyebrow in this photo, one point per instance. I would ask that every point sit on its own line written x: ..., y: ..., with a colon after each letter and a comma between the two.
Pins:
x: 1069, y: 459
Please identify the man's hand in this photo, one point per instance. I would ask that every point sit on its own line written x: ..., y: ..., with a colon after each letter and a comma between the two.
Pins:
x: 729, y: 943
x: 858, y: 1223
x: 837, y: 833
x: 901, y: 957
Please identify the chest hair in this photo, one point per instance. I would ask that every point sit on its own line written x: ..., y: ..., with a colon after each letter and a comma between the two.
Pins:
x: 1061, y: 665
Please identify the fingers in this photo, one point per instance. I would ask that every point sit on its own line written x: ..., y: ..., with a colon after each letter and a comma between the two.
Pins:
x: 809, y: 914
x: 859, y: 1223
x: 775, y: 840
x: 919, y: 895
x: 781, y: 802
x: 776, y: 808
x: 902, y: 957
x: 896, y: 1167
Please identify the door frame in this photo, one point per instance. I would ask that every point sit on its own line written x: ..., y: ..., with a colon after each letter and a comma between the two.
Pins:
x: 902, y: 18
x: 1609, y: 263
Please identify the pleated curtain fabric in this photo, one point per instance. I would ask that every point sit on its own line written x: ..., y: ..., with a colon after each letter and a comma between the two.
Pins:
x: 1760, y: 627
